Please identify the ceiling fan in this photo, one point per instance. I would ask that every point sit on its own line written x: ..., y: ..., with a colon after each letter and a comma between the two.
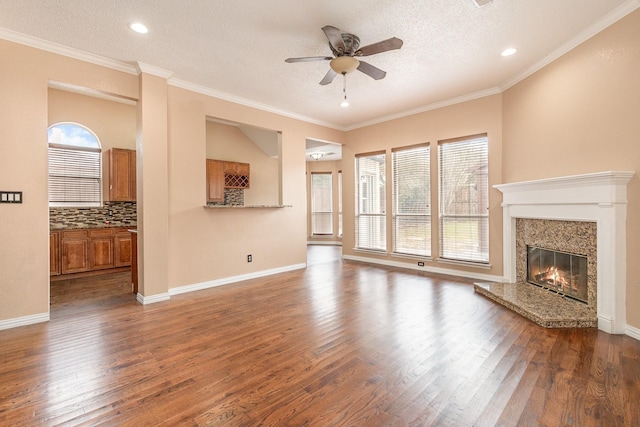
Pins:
x: 345, y: 48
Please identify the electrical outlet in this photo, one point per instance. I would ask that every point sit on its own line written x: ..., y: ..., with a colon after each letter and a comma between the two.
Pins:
x: 420, y: 264
x: 249, y: 258
x: 109, y: 212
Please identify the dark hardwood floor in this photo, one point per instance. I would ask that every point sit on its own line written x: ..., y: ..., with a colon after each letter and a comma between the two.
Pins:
x: 337, y: 344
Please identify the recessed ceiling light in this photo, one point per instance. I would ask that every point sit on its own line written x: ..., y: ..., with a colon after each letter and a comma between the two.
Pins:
x: 139, y: 28
x: 509, y: 51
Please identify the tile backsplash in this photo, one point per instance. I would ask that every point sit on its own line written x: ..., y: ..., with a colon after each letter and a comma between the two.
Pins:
x: 232, y: 197
x: 112, y: 214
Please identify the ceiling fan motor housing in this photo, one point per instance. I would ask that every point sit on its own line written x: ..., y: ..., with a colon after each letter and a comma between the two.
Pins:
x: 351, y: 45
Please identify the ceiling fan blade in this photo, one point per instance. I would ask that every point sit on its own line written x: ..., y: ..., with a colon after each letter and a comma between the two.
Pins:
x: 309, y: 59
x: 328, y: 78
x: 335, y: 38
x: 373, y: 72
x: 383, y: 46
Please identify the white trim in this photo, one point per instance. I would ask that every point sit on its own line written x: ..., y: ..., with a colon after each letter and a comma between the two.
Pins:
x: 632, y: 332
x: 429, y: 107
x: 436, y: 270
x: 248, y: 103
x: 595, y: 197
x: 233, y: 279
x: 152, y: 298
x: 608, y: 20
x: 59, y: 49
x: 24, y: 321
x: 141, y: 67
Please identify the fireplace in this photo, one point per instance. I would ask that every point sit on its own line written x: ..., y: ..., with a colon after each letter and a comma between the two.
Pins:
x: 598, y: 200
x: 560, y: 272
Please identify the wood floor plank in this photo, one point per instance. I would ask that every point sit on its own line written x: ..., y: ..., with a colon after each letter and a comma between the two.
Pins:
x: 336, y: 344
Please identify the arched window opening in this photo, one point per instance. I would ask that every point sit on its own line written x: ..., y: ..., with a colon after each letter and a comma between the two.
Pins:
x: 75, y: 168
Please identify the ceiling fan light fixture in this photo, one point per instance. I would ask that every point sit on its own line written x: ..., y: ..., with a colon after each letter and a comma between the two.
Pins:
x: 344, y: 64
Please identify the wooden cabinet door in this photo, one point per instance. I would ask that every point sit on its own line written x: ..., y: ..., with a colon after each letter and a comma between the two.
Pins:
x: 54, y: 253
x: 75, y: 251
x: 215, y: 180
x: 122, y: 175
x: 101, y: 249
x: 122, y: 248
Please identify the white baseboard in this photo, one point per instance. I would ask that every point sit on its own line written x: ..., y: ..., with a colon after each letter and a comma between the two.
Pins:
x: 152, y: 298
x: 24, y: 321
x: 233, y: 279
x: 632, y: 332
x: 437, y: 270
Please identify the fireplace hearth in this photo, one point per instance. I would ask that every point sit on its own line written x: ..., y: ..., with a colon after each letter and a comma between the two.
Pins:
x: 599, y: 199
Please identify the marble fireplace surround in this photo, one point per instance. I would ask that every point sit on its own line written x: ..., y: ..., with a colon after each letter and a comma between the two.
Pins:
x: 596, y: 197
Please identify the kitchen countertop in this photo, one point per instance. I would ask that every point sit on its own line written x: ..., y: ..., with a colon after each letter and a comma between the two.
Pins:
x: 246, y: 206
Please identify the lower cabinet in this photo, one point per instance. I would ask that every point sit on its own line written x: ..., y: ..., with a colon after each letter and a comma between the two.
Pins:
x: 74, y: 248
x: 77, y: 251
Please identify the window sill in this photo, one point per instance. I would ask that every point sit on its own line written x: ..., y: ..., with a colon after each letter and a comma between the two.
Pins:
x: 484, y: 266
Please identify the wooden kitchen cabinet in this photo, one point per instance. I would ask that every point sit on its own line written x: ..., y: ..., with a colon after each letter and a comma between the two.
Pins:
x: 122, y: 175
x: 54, y: 253
x: 101, y: 252
x: 215, y: 181
x: 122, y: 248
x: 74, y: 247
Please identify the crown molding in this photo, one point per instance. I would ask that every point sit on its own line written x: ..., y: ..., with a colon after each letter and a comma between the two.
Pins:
x: 608, y: 20
x: 429, y: 107
x: 247, y: 103
x: 141, y: 67
x: 65, y: 51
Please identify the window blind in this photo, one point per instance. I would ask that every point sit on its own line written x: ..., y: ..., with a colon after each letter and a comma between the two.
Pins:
x: 464, y: 199
x: 371, y: 202
x: 340, y: 203
x: 74, y: 177
x: 411, y: 201
x: 321, y: 203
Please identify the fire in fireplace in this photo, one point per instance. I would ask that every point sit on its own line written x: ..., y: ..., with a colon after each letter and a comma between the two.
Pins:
x: 561, y: 272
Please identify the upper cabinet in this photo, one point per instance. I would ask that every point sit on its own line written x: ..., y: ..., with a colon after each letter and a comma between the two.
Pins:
x: 122, y: 175
x: 215, y: 180
x: 236, y: 175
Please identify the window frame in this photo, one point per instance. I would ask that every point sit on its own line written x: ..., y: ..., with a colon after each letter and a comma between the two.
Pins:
x: 401, y: 218
x: 322, y: 212
x: 374, y: 199
x: 448, y: 219
x: 70, y: 189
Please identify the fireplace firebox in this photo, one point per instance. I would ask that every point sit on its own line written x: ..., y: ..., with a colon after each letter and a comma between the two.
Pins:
x: 561, y: 272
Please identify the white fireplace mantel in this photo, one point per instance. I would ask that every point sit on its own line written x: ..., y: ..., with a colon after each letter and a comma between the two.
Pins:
x: 597, y: 197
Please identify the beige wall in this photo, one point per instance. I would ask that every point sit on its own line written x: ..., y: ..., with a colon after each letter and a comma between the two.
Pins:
x: 325, y: 166
x: 584, y: 107
x: 113, y: 122
x: 227, y: 142
x: 581, y: 114
x: 24, y: 247
x: 469, y: 118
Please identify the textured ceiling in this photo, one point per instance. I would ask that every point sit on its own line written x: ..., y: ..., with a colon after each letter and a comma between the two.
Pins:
x: 237, y: 48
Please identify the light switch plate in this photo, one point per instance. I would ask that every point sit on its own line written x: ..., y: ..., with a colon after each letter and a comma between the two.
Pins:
x: 10, y: 196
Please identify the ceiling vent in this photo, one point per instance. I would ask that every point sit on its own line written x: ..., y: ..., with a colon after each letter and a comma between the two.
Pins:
x: 481, y: 3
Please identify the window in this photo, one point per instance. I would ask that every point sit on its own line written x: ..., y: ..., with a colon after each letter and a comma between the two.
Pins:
x: 340, y: 203
x: 411, y: 201
x: 75, y: 171
x: 464, y: 197
x: 371, y: 201
x: 321, y: 206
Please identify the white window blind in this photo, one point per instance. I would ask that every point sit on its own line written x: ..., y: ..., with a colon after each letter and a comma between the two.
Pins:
x: 75, y: 166
x: 321, y: 203
x: 411, y: 201
x: 464, y: 199
x: 371, y: 202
